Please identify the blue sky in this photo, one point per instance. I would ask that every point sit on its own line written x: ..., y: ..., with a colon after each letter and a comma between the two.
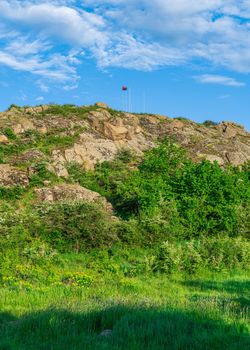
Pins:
x: 186, y: 58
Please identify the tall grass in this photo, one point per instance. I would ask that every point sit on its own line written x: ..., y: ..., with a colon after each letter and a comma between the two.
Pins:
x: 143, y: 313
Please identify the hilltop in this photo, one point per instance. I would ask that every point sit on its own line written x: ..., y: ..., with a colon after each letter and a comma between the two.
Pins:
x: 88, y: 135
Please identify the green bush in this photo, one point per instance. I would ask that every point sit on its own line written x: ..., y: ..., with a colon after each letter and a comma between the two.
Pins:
x: 10, y: 134
x: 77, y: 226
x: 193, y: 200
x: 215, y: 254
x: 11, y: 193
x: 168, y: 258
x: 41, y: 173
x: 209, y: 123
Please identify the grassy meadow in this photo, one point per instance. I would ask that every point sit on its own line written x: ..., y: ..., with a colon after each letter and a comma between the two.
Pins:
x: 143, y: 312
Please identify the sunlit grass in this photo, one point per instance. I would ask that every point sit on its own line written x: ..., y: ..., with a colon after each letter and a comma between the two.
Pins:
x: 146, y: 312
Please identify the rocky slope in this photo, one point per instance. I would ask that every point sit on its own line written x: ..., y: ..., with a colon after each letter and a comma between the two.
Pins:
x: 60, y: 135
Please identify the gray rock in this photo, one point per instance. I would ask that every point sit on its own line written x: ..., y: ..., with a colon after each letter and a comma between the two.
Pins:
x: 106, y: 333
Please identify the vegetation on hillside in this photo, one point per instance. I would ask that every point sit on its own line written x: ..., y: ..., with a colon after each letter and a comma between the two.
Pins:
x: 77, y: 266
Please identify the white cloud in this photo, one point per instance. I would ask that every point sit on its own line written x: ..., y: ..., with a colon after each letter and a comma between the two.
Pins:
x: 214, y: 30
x: 70, y: 87
x: 40, y: 98
x: 54, y: 67
x: 134, y: 34
x: 219, y: 79
x: 134, y: 54
x: 72, y: 26
x: 42, y: 86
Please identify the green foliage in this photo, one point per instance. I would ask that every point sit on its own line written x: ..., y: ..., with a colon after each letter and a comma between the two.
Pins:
x: 125, y: 156
x: 51, y: 141
x: 106, y: 177
x: 77, y: 279
x: 13, y: 106
x: 9, y: 133
x: 209, y: 123
x: 193, y: 199
x: 11, y: 193
x: 167, y: 258
x: 208, y: 197
x: 184, y: 119
x: 41, y: 174
x: 76, y: 227
x: 12, y: 149
x: 68, y: 110
x: 193, y: 256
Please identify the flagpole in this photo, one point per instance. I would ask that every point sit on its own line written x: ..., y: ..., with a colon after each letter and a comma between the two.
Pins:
x: 130, y: 100
x: 144, y: 102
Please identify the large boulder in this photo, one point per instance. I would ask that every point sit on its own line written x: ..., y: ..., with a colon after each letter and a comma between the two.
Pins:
x: 71, y: 193
x: 102, y: 105
x: 230, y: 130
x: 24, y: 124
x: 10, y: 176
x: 28, y: 156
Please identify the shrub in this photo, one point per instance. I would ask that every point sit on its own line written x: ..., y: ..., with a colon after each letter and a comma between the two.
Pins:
x: 168, y: 258
x: 10, y: 133
x: 210, y: 253
x: 182, y: 197
x: 191, y: 260
x: 11, y: 193
x: 225, y: 253
x: 41, y: 173
x: 125, y: 156
x: 77, y: 226
x: 209, y: 123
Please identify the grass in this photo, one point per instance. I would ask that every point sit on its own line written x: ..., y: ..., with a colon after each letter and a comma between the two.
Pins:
x: 209, y: 311
x: 68, y: 110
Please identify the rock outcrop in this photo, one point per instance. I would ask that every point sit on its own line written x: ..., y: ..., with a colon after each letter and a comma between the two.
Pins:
x: 71, y: 193
x: 10, y: 176
x: 99, y: 133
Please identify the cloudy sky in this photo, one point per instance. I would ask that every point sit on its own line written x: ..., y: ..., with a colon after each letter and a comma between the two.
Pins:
x: 186, y: 58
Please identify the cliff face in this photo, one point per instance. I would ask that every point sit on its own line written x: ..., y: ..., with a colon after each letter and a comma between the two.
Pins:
x: 59, y: 135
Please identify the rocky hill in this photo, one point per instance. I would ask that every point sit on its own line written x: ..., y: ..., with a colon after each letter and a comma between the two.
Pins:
x: 87, y: 135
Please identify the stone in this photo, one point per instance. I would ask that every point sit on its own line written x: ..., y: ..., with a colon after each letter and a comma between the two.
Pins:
x: 100, y: 135
x: 236, y: 158
x: 102, y: 105
x: 42, y: 130
x: 24, y: 124
x: 177, y: 125
x: 213, y: 158
x: 106, y: 333
x: 10, y: 176
x: 46, y: 183
x: 37, y: 109
x: 28, y: 156
x: 3, y: 139
x: 90, y: 150
x: 115, y: 133
x: 71, y: 193
x: 230, y: 129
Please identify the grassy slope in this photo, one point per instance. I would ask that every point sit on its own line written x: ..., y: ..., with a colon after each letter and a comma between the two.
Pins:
x: 144, y: 312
